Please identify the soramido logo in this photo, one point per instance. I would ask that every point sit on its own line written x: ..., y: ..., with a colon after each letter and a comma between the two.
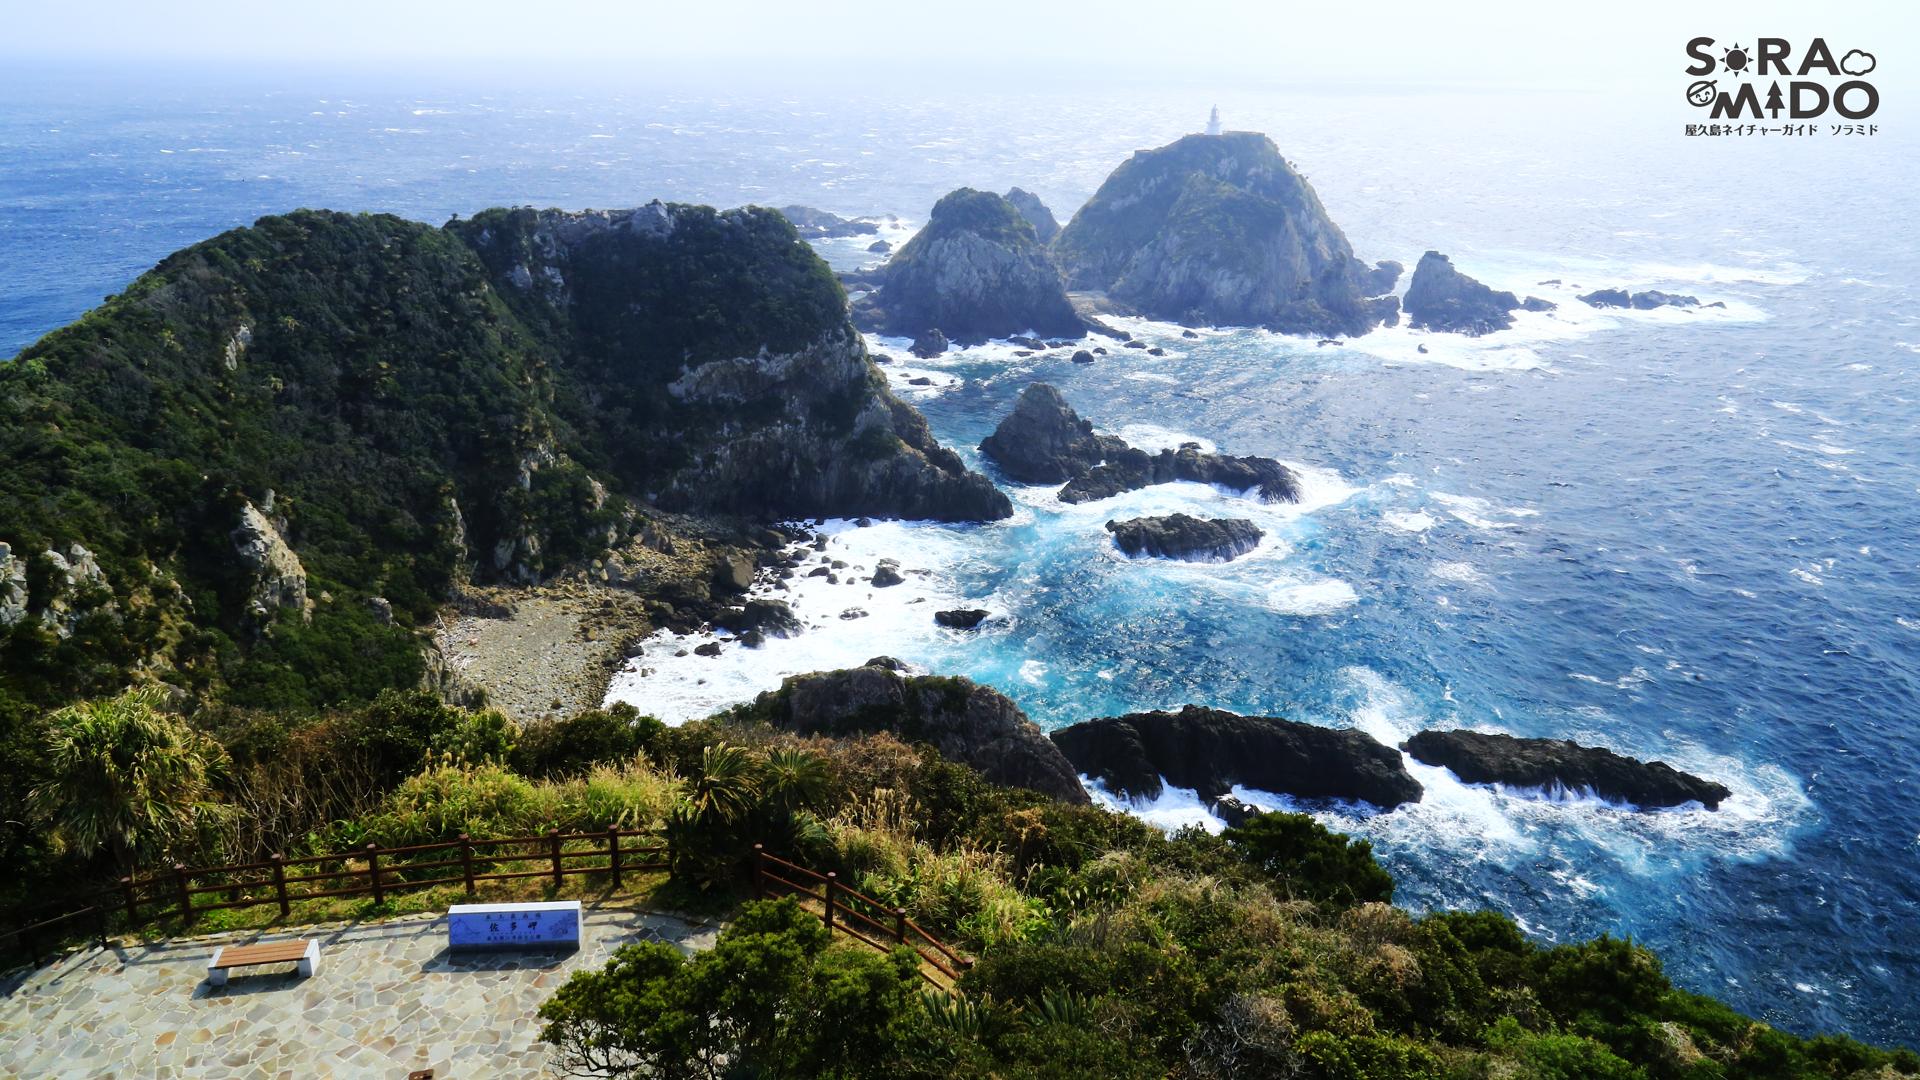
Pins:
x: 1805, y: 85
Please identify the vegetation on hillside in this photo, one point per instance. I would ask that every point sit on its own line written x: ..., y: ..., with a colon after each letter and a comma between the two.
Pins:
x: 1104, y: 947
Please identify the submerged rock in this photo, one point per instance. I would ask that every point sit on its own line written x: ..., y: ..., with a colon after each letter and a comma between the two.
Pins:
x: 976, y: 272
x: 1481, y: 758
x: 1043, y: 441
x: 1183, y: 536
x: 1442, y: 298
x: 1220, y: 230
x: 968, y: 723
x: 1212, y: 751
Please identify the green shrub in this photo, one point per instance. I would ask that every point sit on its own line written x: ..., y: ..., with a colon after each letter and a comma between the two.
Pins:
x: 1305, y: 859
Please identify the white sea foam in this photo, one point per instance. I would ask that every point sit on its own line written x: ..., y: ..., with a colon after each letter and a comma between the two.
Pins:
x: 1154, y: 438
x: 1174, y: 808
x: 1414, y: 521
x: 1479, y: 512
x: 898, y: 621
x: 1292, y: 596
x: 1464, y: 573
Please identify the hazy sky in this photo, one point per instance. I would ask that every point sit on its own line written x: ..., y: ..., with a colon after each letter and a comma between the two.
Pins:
x: 1368, y: 42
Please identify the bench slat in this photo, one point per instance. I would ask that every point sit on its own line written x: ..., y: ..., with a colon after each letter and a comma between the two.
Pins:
x: 276, y: 952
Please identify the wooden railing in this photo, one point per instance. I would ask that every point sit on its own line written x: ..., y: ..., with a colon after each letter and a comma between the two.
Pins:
x: 857, y: 915
x: 373, y: 871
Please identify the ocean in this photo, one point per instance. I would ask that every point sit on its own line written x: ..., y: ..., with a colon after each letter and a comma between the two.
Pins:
x: 1691, y: 536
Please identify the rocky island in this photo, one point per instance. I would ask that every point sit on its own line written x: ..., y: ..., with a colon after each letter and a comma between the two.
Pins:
x: 976, y: 271
x: 1183, y: 536
x: 1442, y: 298
x: 1221, y: 230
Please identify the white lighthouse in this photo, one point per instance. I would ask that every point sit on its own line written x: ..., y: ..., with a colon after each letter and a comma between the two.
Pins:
x: 1213, y: 122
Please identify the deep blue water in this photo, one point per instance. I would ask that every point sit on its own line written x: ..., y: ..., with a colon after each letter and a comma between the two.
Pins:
x: 1687, y: 537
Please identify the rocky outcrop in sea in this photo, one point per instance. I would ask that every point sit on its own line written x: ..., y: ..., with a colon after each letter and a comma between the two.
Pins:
x: 1442, y: 298
x: 1212, y: 751
x: 1221, y: 230
x: 1183, y: 536
x: 1558, y: 764
x: 1643, y: 301
x: 968, y: 723
x: 976, y: 271
x: 1043, y: 441
x: 814, y: 224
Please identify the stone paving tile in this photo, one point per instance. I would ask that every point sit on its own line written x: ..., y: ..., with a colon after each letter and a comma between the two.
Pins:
x: 388, y: 999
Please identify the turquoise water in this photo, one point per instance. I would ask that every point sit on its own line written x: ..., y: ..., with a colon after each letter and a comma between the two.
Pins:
x: 1691, y: 537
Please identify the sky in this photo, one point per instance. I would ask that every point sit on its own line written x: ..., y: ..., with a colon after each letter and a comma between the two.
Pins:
x: 1384, y: 43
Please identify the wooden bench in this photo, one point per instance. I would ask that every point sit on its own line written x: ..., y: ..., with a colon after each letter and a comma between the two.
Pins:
x: 304, y: 953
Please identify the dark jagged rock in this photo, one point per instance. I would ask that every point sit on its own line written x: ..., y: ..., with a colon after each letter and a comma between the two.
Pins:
x: 766, y: 617
x: 1219, y: 230
x: 1082, y: 356
x: 1234, y: 811
x: 1480, y: 758
x: 975, y: 272
x: 1380, y: 280
x: 1640, y: 301
x: 1442, y: 298
x: 887, y: 574
x: 1534, y: 303
x: 814, y: 224
x: 968, y: 723
x: 1212, y: 751
x: 1043, y: 441
x: 961, y: 618
x: 1183, y: 536
x: 879, y: 247
x: 711, y: 648
x: 888, y: 662
x: 928, y: 344
x: 1045, y: 228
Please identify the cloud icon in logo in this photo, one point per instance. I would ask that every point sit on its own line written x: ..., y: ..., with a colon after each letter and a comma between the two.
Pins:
x: 1857, y: 62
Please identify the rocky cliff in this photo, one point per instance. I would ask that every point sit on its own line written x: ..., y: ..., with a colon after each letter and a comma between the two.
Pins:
x: 1220, y: 229
x: 972, y: 724
x: 976, y: 271
x: 490, y: 400
x: 1045, y: 227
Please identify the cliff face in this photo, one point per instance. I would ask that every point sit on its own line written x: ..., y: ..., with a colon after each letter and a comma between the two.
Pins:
x: 274, y: 426
x: 977, y: 271
x: 1442, y: 298
x: 1219, y: 230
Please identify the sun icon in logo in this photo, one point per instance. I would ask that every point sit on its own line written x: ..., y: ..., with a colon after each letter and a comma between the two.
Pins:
x: 1735, y: 60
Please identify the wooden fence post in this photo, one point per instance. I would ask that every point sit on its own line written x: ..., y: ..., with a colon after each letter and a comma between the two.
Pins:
x: 759, y: 871
x: 180, y: 891
x: 373, y: 873
x: 132, y: 902
x: 279, y: 862
x: 466, y: 861
x: 553, y: 843
x: 826, y: 916
x: 900, y: 925
x: 100, y: 924
x: 613, y: 853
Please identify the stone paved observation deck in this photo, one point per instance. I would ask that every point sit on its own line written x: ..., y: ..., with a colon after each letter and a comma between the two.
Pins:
x: 388, y: 999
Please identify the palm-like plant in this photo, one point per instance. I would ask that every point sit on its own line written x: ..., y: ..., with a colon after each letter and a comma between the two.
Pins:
x: 796, y: 780
x: 729, y: 784
x: 125, y: 778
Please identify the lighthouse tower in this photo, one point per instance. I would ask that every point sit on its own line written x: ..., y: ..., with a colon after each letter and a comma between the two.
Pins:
x: 1213, y: 122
